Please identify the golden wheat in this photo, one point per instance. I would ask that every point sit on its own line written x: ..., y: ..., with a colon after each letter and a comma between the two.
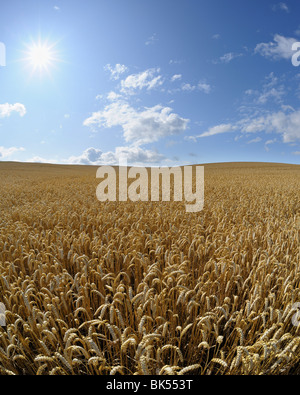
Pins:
x: 145, y: 288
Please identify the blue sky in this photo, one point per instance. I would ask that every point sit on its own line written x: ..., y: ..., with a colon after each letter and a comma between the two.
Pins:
x: 158, y: 82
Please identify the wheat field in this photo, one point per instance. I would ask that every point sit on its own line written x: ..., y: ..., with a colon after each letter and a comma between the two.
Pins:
x: 145, y: 288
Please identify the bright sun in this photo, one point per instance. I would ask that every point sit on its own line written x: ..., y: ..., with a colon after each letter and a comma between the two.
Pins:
x: 41, y: 56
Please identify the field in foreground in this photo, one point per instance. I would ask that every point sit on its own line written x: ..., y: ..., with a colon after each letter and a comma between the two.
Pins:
x: 146, y: 288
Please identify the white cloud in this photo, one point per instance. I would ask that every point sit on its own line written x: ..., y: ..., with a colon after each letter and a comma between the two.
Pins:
x: 248, y: 125
x: 114, y: 114
x: 134, y: 156
x: 91, y: 156
x: 285, y: 124
x: 271, y: 94
x: 176, y: 61
x: 7, y: 152
x: 256, y: 140
x: 297, y: 31
x: 201, y: 86
x: 56, y: 8
x: 268, y: 143
x: 139, y: 126
x: 271, y: 90
x: 39, y: 159
x: 280, y: 48
x: 281, y: 7
x: 146, y: 79
x: 112, y: 96
x: 219, y: 129
x: 188, y: 87
x: 206, y: 88
x: 228, y: 57
x: 176, y: 77
x: 285, y: 107
x: 296, y: 153
x: 152, y: 124
x: 152, y: 39
x: 116, y: 71
x: 216, y: 36
x: 6, y: 109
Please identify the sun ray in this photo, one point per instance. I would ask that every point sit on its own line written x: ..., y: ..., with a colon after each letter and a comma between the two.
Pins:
x: 41, y: 56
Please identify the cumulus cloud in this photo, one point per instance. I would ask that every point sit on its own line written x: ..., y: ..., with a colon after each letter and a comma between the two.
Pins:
x: 116, y: 71
x: 133, y: 154
x: 146, y: 79
x: 201, y: 86
x: 188, y: 87
x: 7, y: 152
x: 39, y: 159
x: 204, y: 87
x: 7, y: 109
x: 285, y: 123
x: 139, y: 126
x: 281, y: 7
x: 112, y: 96
x: 280, y: 48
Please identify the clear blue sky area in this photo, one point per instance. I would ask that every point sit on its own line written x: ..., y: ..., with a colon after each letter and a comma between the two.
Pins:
x: 157, y: 82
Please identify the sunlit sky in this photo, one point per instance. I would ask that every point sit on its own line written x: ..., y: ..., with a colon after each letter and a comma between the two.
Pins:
x: 159, y: 82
